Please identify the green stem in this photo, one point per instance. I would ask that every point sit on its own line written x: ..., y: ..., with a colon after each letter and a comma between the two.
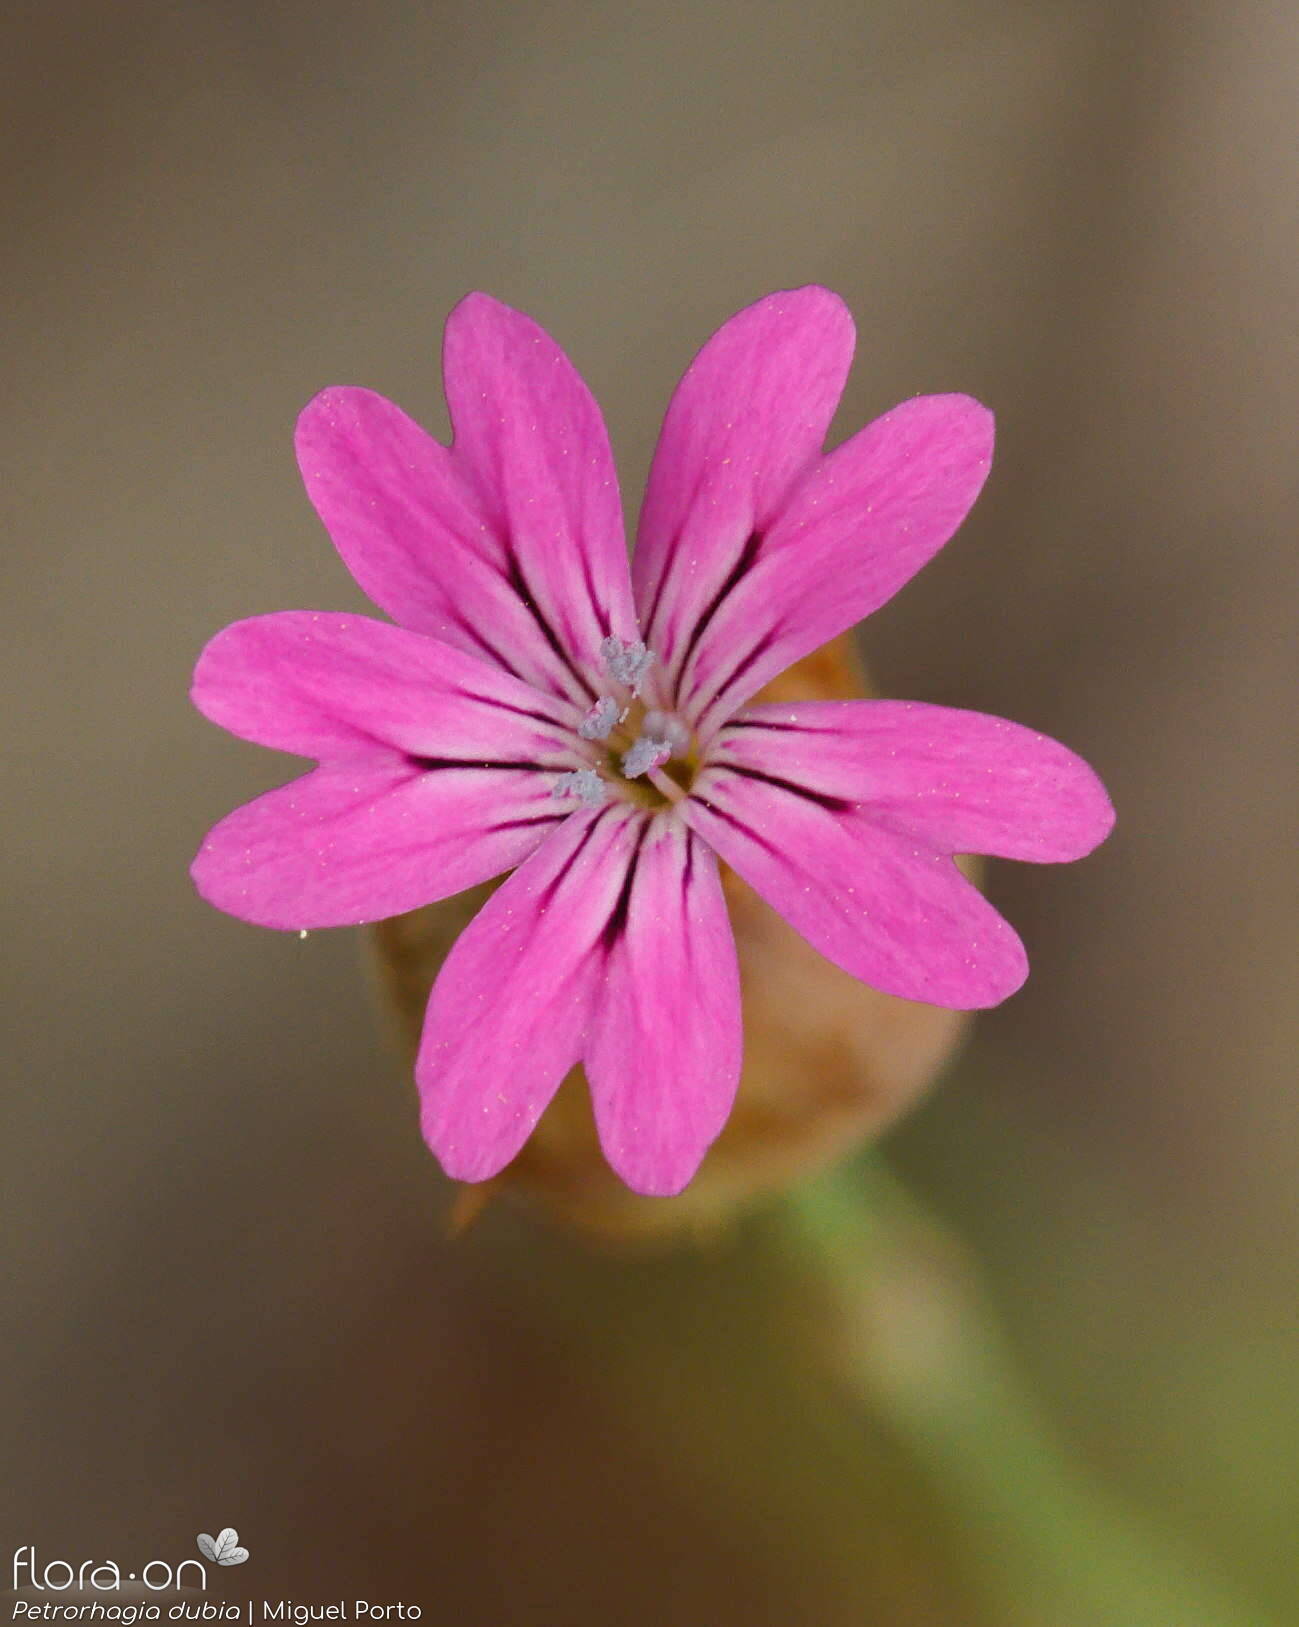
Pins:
x: 915, y: 1342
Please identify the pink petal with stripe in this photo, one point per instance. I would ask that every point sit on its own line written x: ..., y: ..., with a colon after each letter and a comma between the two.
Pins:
x: 664, y: 1054
x: 746, y: 422
x: 883, y: 905
x: 961, y: 782
x: 611, y: 945
x: 529, y: 434
x: 438, y: 770
x: 413, y: 533
x: 856, y: 529
x: 508, y: 544
x: 512, y: 1008
x: 326, y: 684
x: 372, y: 837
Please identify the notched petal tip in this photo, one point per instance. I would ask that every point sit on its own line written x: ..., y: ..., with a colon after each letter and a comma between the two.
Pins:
x: 807, y: 302
x: 217, y: 882
x: 988, y: 984
x: 222, y: 666
x: 465, y: 1162
x: 330, y: 399
x: 654, y: 1176
x: 959, y: 420
x: 477, y: 302
x: 477, y: 315
x: 1094, y: 816
x: 337, y: 411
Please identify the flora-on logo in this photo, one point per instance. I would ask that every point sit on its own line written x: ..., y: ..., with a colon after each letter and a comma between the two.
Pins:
x: 104, y: 1575
x: 223, y: 1549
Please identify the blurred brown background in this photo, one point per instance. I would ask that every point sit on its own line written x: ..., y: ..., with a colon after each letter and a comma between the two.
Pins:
x: 231, y: 1298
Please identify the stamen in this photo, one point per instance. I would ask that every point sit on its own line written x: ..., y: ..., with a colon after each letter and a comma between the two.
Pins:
x: 647, y: 753
x: 599, y: 721
x: 669, y: 787
x: 626, y: 663
x: 583, y: 783
x: 667, y: 726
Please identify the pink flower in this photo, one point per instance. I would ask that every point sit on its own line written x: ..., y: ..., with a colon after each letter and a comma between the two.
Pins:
x: 541, y: 706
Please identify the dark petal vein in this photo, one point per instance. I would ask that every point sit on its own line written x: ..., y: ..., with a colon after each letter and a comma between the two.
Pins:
x: 513, y: 574
x: 744, y: 561
x: 823, y: 799
x: 739, y: 824
x: 547, y: 894
x: 522, y: 824
x: 430, y: 765
x: 508, y: 706
x: 616, y: 925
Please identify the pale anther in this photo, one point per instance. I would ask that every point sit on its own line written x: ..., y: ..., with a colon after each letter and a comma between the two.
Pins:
x: 599, y: 721
x: 647, y: 753
x: 625, y: 663
x: 583, y: 783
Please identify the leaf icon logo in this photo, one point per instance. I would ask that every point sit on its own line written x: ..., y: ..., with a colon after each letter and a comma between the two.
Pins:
x: 224, y: 1549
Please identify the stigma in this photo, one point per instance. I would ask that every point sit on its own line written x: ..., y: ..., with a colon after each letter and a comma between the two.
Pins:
x: 625, y: 742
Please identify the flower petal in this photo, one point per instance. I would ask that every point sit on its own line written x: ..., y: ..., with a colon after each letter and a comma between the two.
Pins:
x: 362, y: 840
x: 511, y: 1009
x: 882, y: 905
x: 530, y: 436
x: 508, y: 544
x: 961, y: 782
x: 414, y: 533
x: 328, y: 685
x: 858, y: 526
x: 438, y: 770
x: 664, y: 1056
x: 747, y: 419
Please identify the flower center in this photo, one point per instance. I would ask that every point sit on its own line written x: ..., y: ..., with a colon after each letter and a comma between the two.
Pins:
x: 643, y: 754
